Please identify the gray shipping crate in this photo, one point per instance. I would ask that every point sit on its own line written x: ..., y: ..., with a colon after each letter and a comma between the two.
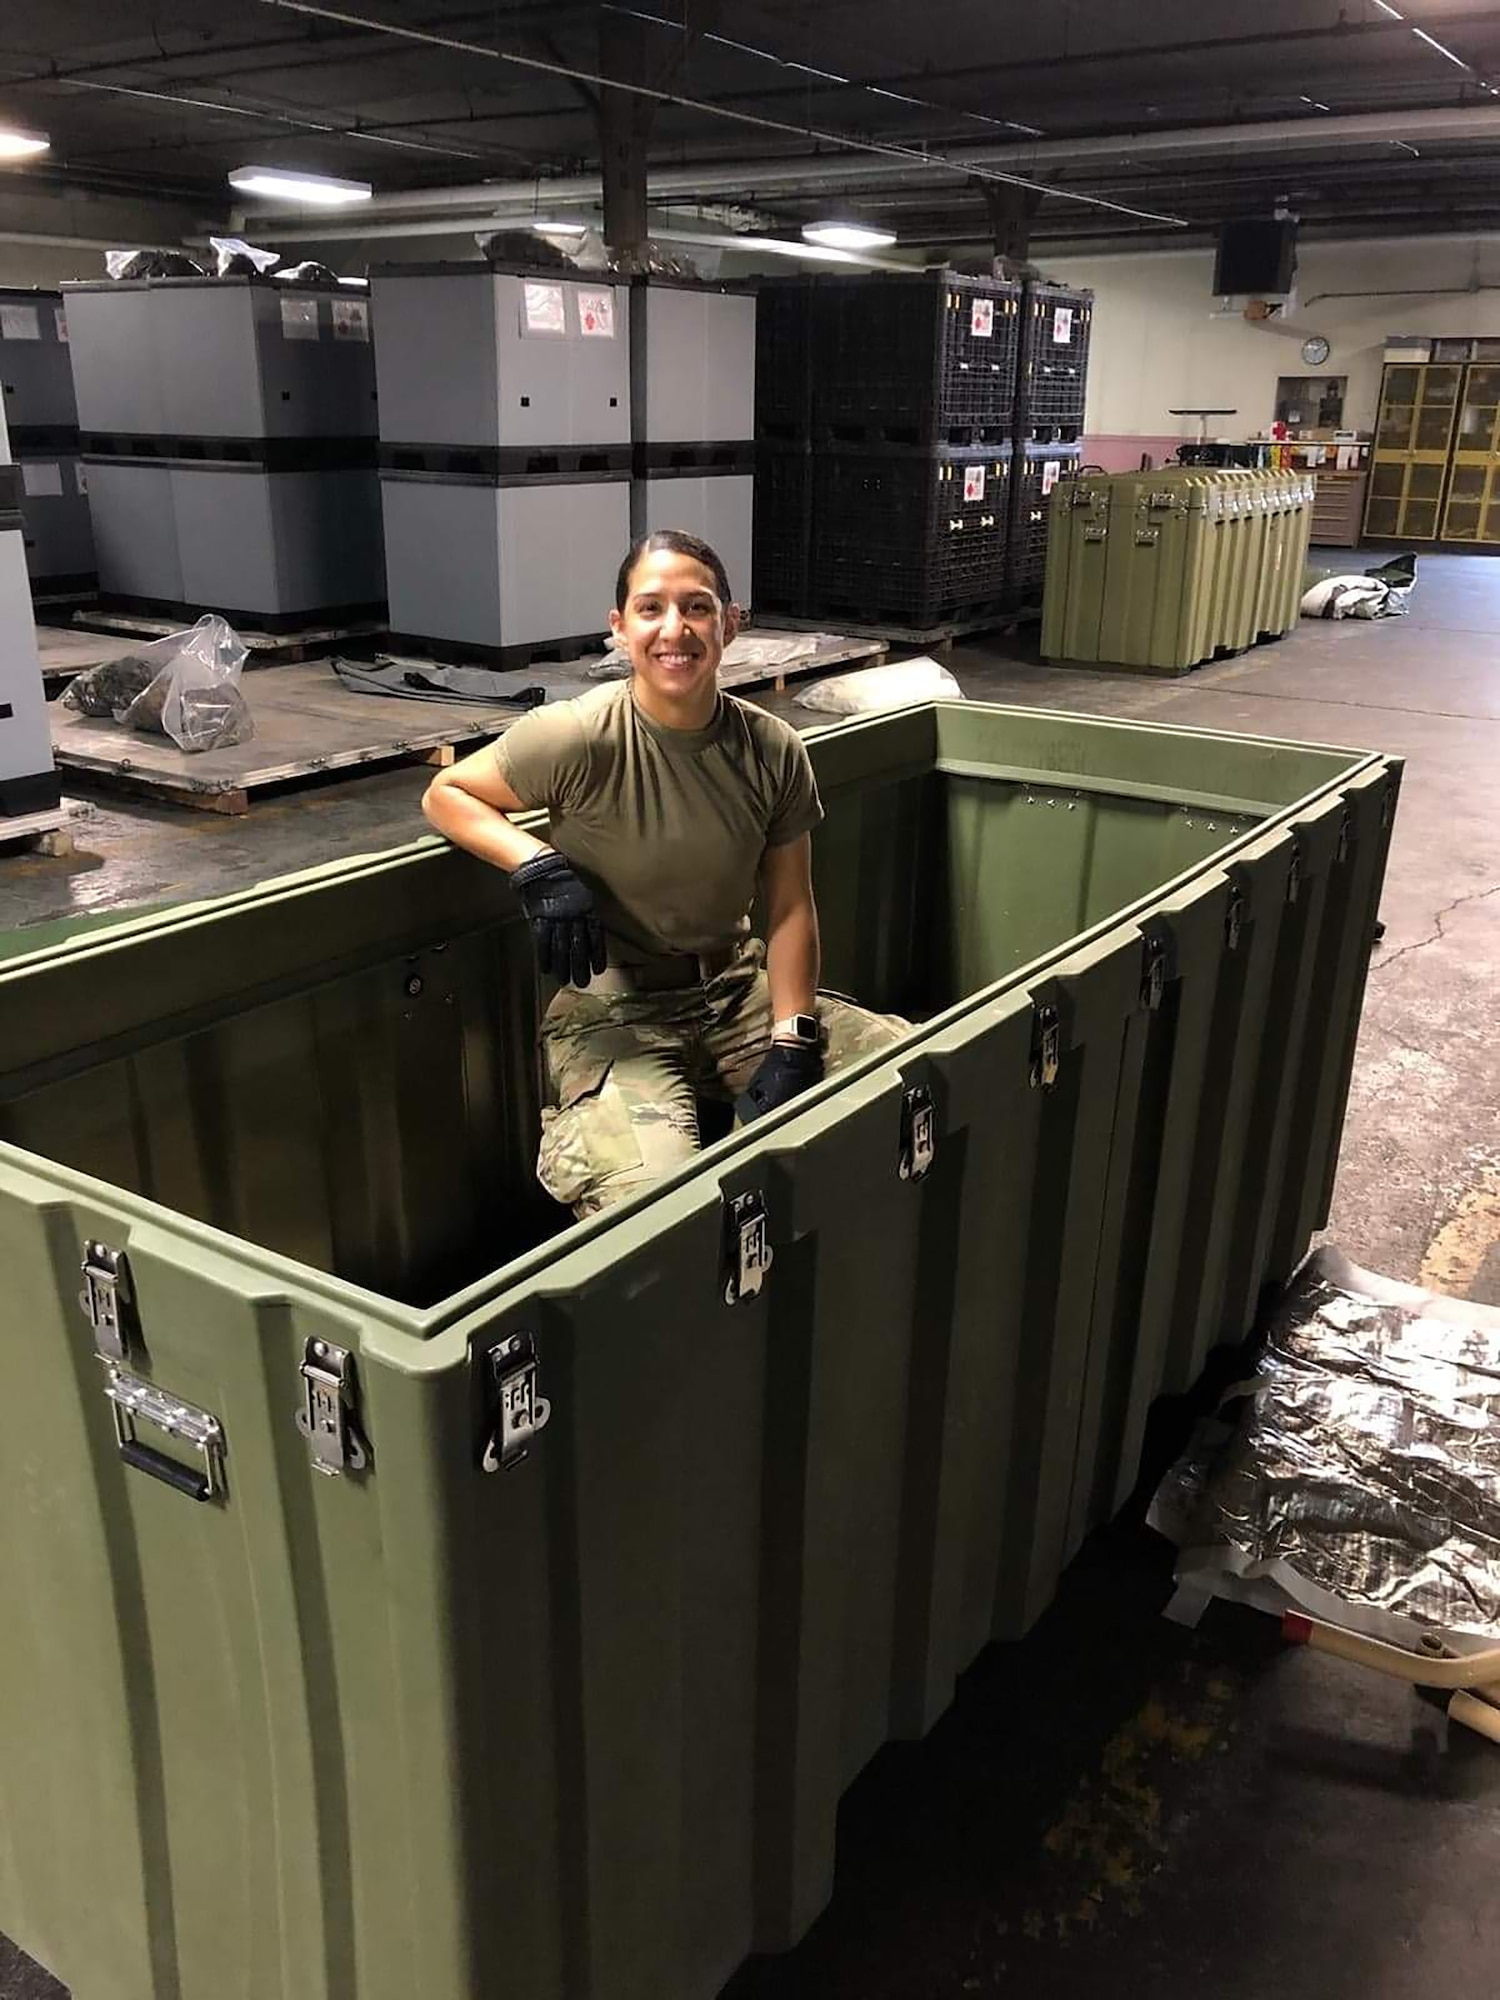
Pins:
x: 470, y: 356
x: 28, y: 779
x: 55, y: 513
x: 719, y: 507
x: 221, y: 358
x: 244, y: 539
x: 483, y: 561
x: 692, y: 362
x: 36, y: 373
x: 411, y: 1590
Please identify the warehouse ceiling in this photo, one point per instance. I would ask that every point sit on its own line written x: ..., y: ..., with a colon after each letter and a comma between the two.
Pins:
x: 1138, y: 123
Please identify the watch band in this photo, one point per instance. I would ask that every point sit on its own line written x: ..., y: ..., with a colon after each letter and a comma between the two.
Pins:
x: 801, y: 1028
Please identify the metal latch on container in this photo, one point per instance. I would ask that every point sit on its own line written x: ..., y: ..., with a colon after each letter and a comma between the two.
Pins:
x: 1294, y: 873
x: 108, y: 1298
x: 1346, y: 835
x: 918, y: 1132
x: 1153, y: 974
x: 1096, y: 534
x: 1046, y: 1047
x: 1388, y: 805
x: 748, y: 1247
x: 1163, y: 499
x: 326, y: 1417
x: 519, y: 1411
x: 1234, y: 917
x: 1147, y: 538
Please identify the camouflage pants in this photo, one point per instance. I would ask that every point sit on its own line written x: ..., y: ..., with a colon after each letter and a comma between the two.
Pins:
x: 625, y: 1072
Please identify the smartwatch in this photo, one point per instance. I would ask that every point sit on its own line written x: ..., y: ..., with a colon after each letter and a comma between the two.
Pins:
x: 797, y: 1028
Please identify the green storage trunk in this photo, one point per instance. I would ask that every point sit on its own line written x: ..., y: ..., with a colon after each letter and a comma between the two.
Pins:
x: 410, y: 1591
x: 1174, y: 566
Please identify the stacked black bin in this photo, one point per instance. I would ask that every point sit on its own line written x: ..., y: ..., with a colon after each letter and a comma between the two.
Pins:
x: 1052, y: 358
x: 909, y: 430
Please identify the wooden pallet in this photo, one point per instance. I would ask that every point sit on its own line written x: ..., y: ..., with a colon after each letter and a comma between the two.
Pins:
x: 833, y: 651
x: 925, y: 637
x: 267, y: 649
x: 306, y: 724
x: 49, y: 832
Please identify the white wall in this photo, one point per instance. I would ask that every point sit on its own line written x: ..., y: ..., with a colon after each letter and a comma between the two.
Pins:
x: 47, y: 236
x: 1155, y: 343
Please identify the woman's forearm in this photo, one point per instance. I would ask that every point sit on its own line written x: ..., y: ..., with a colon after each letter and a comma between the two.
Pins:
x: 793, y: 958
x: 479, y: 828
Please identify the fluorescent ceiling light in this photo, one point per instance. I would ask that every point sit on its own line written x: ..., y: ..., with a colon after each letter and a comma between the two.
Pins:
x: 546, y: 225
x: 1432, y: 43
x: 362, y: 282
x: 1381, y: 4
x: 847, y: 236
x: 22, y: 145
x: 1316, y: 102
x: 314, y: 190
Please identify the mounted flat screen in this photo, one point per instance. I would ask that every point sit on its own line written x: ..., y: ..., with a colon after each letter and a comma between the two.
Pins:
x: 1255, y: 258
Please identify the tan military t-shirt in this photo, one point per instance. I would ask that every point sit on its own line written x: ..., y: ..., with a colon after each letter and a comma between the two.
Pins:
x: 668, y: 826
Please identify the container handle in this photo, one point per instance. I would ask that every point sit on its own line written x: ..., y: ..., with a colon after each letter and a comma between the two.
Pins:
x: 196, y: 1485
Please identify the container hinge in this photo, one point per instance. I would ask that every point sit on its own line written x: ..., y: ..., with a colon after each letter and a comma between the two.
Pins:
x: 519, y: 1411
x: 1046, y: 1047
x: 326, y: 1417
x: 749, y: 1255
x: 108, y: 1300
x: 1234, y: 918
x: 1346, y: 835
x: 1153, y: 974
x: 918, y: 1132
x: 1294, y: 873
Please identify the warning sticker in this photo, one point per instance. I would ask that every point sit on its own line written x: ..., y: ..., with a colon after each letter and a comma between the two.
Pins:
x: 61, y: 316
x: 543, y: 309
x: 973, y: 482
x: 596, y: 314
x: 42, y: 482
x: 1062, y: 326
x: 299, y: 319
x: 351, y: 319
x: 982, y: 319
x: 20, y: 323
x: 1051, y: 472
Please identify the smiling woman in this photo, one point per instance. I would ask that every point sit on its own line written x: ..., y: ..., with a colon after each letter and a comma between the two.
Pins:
x: 670, y: 804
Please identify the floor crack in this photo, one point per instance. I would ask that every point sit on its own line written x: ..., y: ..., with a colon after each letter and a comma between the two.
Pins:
x: 1478, y: 896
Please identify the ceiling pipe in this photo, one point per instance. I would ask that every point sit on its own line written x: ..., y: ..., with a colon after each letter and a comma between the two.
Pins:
x: 762, y: 177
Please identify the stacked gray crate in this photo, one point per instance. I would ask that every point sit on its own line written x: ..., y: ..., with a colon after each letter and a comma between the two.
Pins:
x: 504, y: 453
x: 36, y: 379
x: 28, y: 777
x: 693, y: 412
x: 228, y: 432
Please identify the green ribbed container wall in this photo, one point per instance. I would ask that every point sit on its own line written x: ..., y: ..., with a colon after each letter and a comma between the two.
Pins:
x: 578, y: 1729
x: 1157, y: 572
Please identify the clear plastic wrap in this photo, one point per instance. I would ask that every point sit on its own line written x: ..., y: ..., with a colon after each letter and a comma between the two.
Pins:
x: 151, y: 264
x: 750, y: 649
x: 185, y: 686
x: 1362, y: 1481
x: 235, y: 258
x: 874, y: 688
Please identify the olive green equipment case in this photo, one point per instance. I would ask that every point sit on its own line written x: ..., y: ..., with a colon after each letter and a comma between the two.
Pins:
x: 1159, y: 571
x: 409, y: 1590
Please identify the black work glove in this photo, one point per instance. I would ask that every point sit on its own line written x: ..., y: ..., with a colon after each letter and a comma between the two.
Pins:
x: 569, y: 936
x: 788, y: 1070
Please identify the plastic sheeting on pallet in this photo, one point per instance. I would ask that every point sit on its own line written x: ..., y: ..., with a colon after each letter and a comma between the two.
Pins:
x: 1361, y: 1482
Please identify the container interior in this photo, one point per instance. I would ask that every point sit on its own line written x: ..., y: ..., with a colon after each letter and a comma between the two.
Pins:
x: 377, y: 1118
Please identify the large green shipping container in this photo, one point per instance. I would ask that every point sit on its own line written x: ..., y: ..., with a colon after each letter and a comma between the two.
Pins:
x: 411, y: 1590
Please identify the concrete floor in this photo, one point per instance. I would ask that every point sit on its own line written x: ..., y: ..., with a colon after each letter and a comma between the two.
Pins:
x: 1117, y: 1804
